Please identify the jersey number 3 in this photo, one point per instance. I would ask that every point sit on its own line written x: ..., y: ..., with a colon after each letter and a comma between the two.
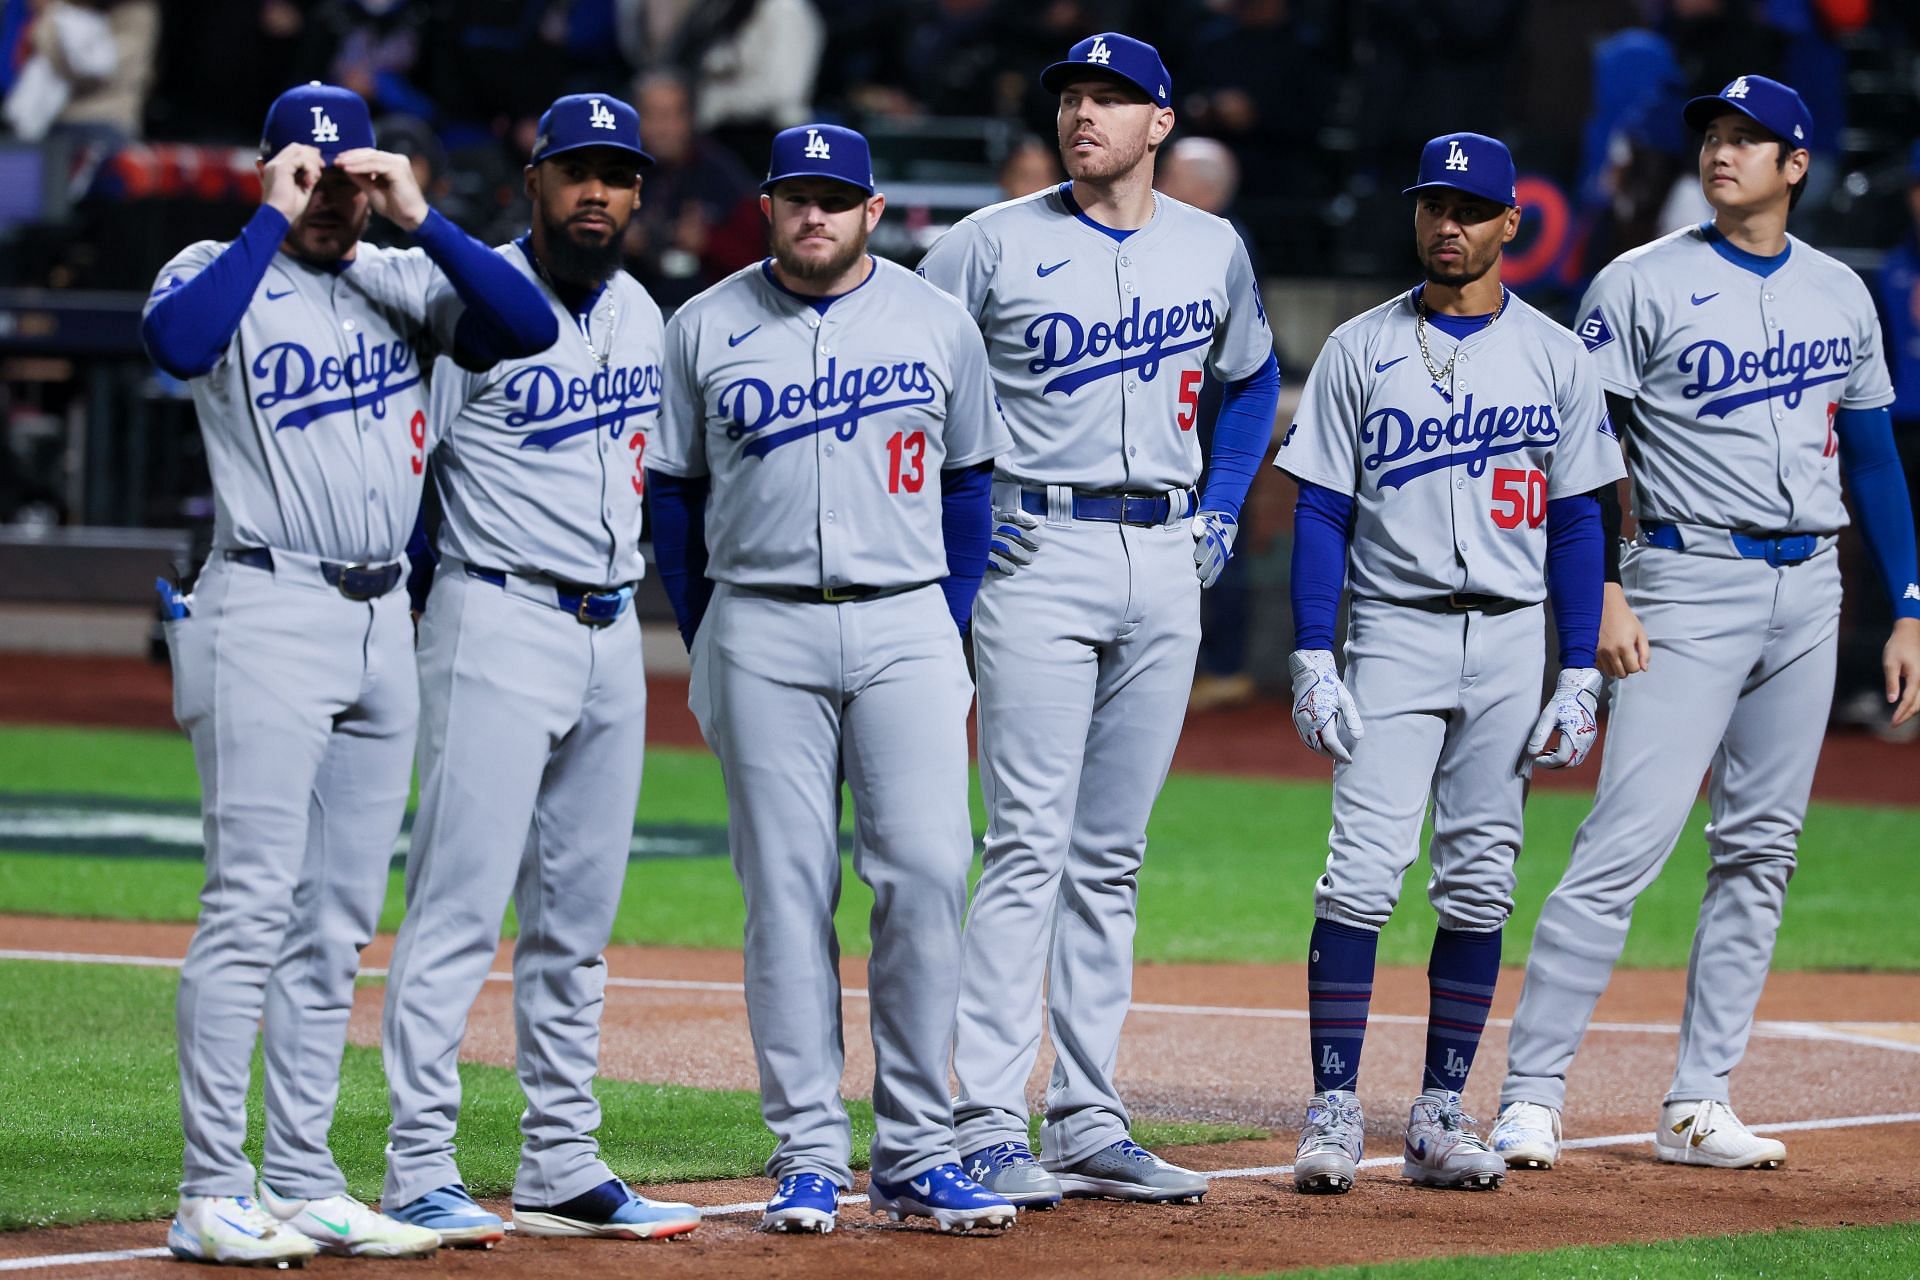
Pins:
x: 1519, y: 496
x: 906, y: 462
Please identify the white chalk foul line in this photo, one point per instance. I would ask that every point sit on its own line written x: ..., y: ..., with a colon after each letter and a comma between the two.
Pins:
x: 78, y: 1259
x: 1766, y: 1030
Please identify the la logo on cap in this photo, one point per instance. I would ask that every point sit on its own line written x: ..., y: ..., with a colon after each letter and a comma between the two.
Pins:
x: 324, y: 129
x: 599, y: 117
x: 1100, y: 53
x: 1456, y: 158
x: 817, y: 146
x: 1738, y: 89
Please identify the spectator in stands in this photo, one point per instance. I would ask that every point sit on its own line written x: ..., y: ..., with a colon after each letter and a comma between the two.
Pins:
x: 89, y: 68
x: 693, y: 190
x: 1260, y: 83
x: 753, y: 62
x: 373, y: 47
x: 1031, y: 165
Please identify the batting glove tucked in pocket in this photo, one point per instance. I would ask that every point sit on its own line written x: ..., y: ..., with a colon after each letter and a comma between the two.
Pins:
x: 1322, y: 707
x: 1014, y: 540
x: 1213, y: 534
x: 1570, y: 714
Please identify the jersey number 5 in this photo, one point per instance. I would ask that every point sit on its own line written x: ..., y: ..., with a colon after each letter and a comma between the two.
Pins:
x: 906, y: 462
x: 1190, y: 380
x: 1519, y: 495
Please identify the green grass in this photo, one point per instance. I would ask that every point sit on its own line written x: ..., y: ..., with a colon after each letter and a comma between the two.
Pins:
x: 1230, y: 867
x: 93, y: 1113
x: 1856, y: 1253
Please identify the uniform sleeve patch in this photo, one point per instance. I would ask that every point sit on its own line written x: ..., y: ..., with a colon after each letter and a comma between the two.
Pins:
x: 1606, y: 427
x: 1594, y: 331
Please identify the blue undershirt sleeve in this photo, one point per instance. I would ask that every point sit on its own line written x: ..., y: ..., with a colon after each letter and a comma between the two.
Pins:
x: 678, y: 505
x: 1240, y: 437
x: 506, y: 315
x: 189, y: 329
x: 966, y: 524
x: 1870, y: 466
x: 1576, y: 575
x: 1322, y: 527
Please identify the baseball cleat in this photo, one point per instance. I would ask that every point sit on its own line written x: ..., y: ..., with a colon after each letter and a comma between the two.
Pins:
x: 1332, y: 1143
x: 1707, y: 1132
x: 236, y: 1231
x: 804, y: 1202
x: 1444, y: 1151
x: 452, y: 1214
x: 611, y: 1211
x: 945, y: 1194
x: 1128, y: 1171
x: 1526, y: 1135
x: 1009, y: 1170
x: 343, y: 1226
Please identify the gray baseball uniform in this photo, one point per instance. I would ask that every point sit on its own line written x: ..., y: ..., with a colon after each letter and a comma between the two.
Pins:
x: 1735, y: 379
x: 1450, y: 486
x: 1085, y: 657
x: 533, y: 723
x: 824, y: 432
x: 300, y: 701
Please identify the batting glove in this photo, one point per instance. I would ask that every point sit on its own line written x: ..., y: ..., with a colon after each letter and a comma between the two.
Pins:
x: 1014, y: 540
x: 1322, y: 707
x: 1571, y: 714
x: 1213, y: 533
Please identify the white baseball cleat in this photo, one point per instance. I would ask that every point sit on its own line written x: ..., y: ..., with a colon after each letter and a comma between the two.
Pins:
x: 1526, y: 1135
x: 1707, y: 1132
x: 237, y: 1231
x: 343, y: 1226
x: 1333, y: 1142
x: 1444, y: 1151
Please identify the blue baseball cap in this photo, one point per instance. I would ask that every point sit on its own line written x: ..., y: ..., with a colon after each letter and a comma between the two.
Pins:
x: 582, y: 120
x: 1116, y: 57
x: 1469, y: 162
x: 820, y: 151
x: 1772, y: 105
x: 324, y: 116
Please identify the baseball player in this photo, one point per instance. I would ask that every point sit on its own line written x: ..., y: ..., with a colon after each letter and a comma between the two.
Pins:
x: 824, y: 458
x: 1104, y: 305
x: 293, y: 658
x: 1747, y: 376
x: 533, y: 707
x: 1447, y: 446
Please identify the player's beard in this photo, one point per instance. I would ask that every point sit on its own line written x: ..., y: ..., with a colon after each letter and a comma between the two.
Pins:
x: 828, y: 268
x: 583, y: 260
x: 1470, y: 268
x: 329, y: 242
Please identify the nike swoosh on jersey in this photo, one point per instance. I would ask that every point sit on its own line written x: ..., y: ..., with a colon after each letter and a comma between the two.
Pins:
x: 284, y: 293
x: 1043, y: 271
x: 734, y: 340
x: 1381, y: 366
x: 1699, y: 301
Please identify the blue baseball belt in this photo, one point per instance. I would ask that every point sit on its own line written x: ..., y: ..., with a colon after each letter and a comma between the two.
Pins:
x: 589, y: 606
x: 1114, y: 508
x: 1776, y: 549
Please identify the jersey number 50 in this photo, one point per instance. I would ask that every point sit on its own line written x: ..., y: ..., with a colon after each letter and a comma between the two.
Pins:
x: 1519, y: 495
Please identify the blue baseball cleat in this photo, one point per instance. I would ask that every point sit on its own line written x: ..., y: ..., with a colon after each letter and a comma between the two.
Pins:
x: 449, y: 1210
x: 612, y: 1211
x: 945, y: 1194
x: 805, y: 1202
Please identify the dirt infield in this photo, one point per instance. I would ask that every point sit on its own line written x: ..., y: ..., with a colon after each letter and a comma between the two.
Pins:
x: 1227, y: 1042
x: 1250, y: 741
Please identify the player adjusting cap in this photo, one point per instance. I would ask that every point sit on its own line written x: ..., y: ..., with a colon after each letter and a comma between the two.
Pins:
x: 1117, y: 57
x: 820, y: 151
x: 1774, y: 106
x: 1469, y: 162
x: 324, y: 116
x: 582, y: 120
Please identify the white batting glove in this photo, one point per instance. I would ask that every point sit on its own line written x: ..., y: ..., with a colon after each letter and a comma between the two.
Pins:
x: 1014, y: 540
x: 1213, y: 533
x: 1322, y: 707
x: 1570, y: 715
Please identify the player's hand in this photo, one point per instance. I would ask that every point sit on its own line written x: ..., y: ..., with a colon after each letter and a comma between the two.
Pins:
x: 1322, y: 707
x: 1568, y: 724
x: 388, y: 180
x: 287, y: 180
x: 1015, y: 539
x: 1901, y: 662
x: 1623, y: 648
x: 1213, y: 534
